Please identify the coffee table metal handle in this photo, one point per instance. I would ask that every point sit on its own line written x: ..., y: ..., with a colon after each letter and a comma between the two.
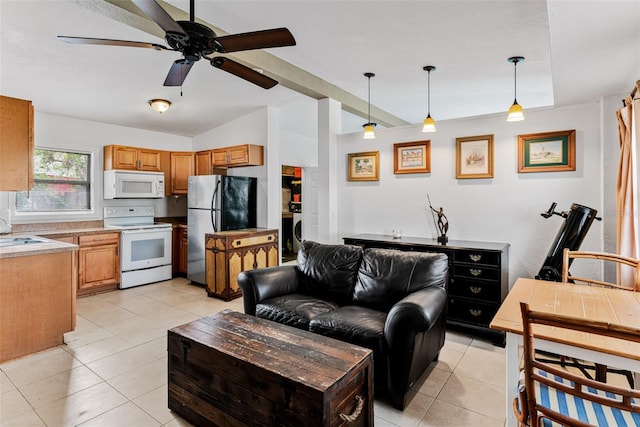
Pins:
x: 356, y: 411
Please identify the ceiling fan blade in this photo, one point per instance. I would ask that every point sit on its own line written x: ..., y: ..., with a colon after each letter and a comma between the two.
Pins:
x: 111, y: 42
x: 178, y: 73
x: 243, y: 72
x: 161, y: 17
x: 276, y: 37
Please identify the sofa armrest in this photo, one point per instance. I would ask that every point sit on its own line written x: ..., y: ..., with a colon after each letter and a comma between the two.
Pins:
x: 415, y: 313
x: 261, y: 284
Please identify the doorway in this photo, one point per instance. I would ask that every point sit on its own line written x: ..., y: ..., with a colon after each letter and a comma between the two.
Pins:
x: 291, y: 230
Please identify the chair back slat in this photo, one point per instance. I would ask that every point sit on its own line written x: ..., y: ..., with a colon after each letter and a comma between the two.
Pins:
x: 568, y: 256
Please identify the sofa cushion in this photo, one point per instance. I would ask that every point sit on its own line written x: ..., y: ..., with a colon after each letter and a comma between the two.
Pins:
x: 360, y: 326
x: 293, y: 309
x: 386, y: 276
x: 328, y: 271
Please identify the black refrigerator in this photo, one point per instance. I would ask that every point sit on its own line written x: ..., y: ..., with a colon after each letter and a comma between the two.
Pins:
x: 216, y: 203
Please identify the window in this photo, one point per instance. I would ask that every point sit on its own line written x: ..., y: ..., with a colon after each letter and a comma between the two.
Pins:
x: 62, y: 183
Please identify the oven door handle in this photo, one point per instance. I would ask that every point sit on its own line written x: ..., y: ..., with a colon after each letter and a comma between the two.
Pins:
x: 147, y: 230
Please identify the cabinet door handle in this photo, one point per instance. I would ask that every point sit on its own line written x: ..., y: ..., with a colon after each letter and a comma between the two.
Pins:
x: 475, y: 312
x: 475, y: 271
x: 475, y: 289
x: 475, y: 257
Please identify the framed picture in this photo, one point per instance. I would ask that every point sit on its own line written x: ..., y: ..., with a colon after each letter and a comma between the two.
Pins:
x: 547, y: 151
x: 412, y: 157
x: 474, y: 157
x: 364, y: 166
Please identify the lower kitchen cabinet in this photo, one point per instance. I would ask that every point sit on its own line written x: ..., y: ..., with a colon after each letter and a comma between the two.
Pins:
x: 228, y: 253
x: 98, y: 263
x: 180, y: 250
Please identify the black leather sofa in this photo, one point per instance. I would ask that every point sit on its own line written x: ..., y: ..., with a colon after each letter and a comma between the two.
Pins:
x: 389, y: 301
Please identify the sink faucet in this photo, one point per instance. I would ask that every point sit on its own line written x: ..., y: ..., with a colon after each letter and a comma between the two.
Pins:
x: 6, y: 228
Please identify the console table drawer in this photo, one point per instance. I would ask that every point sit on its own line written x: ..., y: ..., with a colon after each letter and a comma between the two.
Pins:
x: 470, y: 311
x: 476, y: 257
x: 477, y: 289
x: 476, y: 272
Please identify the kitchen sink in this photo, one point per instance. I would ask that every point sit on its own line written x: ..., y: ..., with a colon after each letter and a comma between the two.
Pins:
x: 17, y: 241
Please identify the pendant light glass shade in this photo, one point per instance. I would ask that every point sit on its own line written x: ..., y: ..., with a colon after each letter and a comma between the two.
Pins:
x: 160, y: 105
x: 369, y: 127
x: 515, y: 112
x: 428, y: 125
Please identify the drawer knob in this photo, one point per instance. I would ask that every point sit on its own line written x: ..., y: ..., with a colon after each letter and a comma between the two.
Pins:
x: 475, y: 312
x: 475, y: 271
x: 357, y: 410
x: 475, y: 289
x: 475, y: 257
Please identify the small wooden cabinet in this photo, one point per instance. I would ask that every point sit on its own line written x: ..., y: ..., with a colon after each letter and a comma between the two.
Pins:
x: 182, y: 166
x: 228, y: 253
x: 204, y: 164
x: 16, y: 144
x: 98, y: 262
x: 131, y: 158
x: 180, y: 250
x: 238, y: 155
x: 478, y: 277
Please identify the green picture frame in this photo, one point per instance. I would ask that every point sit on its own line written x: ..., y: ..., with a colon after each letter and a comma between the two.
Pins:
x: 547, y: 152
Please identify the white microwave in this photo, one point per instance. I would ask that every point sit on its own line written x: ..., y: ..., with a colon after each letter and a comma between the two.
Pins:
x: 119, y: 184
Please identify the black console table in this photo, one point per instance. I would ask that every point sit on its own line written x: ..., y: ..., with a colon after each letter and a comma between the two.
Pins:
x: 478, y: 277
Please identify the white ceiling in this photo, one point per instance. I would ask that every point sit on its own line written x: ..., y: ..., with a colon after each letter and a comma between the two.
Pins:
x: 576, y: 52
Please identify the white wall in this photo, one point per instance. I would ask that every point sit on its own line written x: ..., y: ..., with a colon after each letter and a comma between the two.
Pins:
x: 505, y: 208
x: 61, y: 132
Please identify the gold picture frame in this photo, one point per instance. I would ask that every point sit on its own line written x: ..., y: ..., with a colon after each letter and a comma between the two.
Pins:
x: 547, y: 151
x: 412, y: 157
x: 363, y: 166
x: 474, y: 157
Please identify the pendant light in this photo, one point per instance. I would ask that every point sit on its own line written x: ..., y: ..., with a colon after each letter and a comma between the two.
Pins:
x: 369, y: 127
x: 515, y: 112
x: 429, y: 125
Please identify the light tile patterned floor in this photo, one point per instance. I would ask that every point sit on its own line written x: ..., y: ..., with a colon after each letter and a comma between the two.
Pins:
x: 112, y: 371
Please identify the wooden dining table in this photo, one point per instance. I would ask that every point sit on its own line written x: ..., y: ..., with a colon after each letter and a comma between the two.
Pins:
x: 614, y: 306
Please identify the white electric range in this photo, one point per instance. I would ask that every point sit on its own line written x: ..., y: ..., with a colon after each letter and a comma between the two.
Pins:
x: 145, y: 245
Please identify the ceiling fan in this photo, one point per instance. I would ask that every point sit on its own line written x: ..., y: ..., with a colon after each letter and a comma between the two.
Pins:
x: 196, y: 41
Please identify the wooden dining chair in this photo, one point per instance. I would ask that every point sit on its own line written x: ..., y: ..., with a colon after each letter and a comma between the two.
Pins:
x: 549, y: 395
x: 568, y: 256
x: 634, y: 285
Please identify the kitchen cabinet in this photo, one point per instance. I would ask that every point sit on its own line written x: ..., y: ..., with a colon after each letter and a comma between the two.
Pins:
x: 16, y: 144
x: 238, y: 155
x: 180, y: 250
x: 182, y: 166
x: 131, y: 158
x: 478, y: 277
x: 204, y: 164
x: 98, y: 262
x: 228, y: 253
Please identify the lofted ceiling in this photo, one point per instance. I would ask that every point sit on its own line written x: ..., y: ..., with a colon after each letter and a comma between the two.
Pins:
x: 576, y: 52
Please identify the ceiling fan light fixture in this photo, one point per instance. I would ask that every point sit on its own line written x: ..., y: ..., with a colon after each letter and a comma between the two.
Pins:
x: 516, y: 113
x: 160, y: 105
x: 369, y: 127
x: 428, y: 125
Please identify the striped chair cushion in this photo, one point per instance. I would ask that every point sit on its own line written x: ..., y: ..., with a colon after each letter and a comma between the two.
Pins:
x: 581, y: 409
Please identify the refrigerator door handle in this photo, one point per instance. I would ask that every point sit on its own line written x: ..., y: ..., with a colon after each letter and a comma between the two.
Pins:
x: 213, y: 207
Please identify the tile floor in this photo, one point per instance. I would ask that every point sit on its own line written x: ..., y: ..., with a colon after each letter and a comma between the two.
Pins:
x: 112, y: 370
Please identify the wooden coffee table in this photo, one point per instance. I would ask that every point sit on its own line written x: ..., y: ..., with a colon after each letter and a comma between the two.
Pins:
x: 231, y: 369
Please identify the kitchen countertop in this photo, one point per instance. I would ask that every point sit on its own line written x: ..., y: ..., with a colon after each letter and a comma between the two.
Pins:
x: 47, y: 247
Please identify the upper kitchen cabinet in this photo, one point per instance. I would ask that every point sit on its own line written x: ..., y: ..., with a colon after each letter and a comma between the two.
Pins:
x: 182, y: 166
x: 204, y: 163
x: 16, y: 144
x: 238, y: 155
x: 131, y: 158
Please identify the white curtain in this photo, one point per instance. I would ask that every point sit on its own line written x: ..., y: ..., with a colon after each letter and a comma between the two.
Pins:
x: 627, y: 195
